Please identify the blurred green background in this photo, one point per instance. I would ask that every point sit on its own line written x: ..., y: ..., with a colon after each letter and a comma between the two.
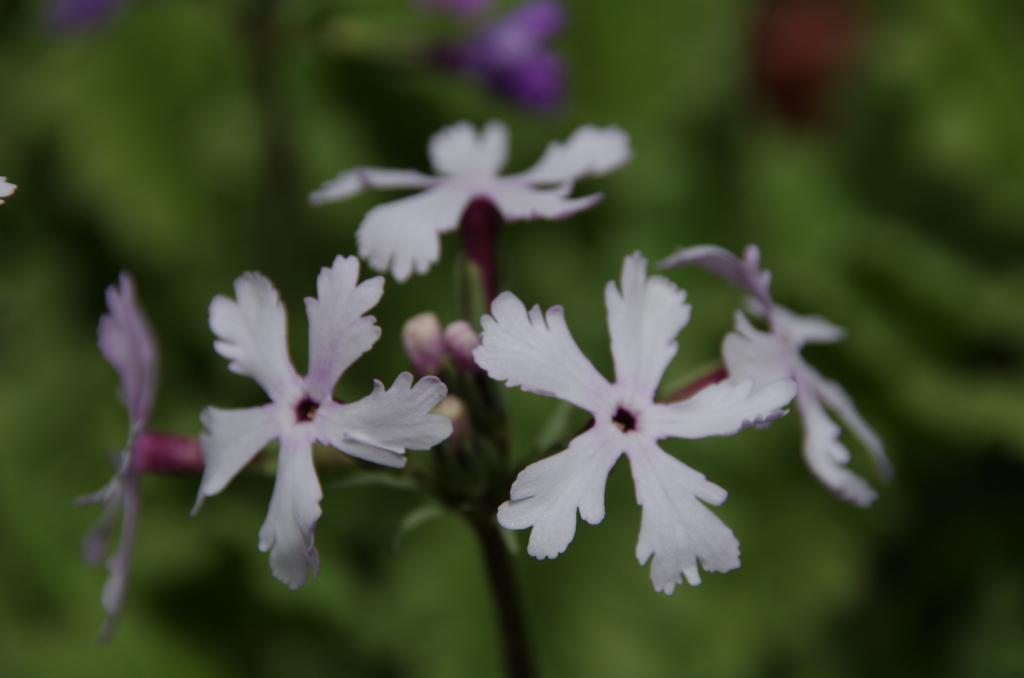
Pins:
x: 159, y: 144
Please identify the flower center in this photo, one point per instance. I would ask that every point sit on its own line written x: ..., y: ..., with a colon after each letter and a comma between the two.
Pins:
x: 305, y: 410
x: 624, y: 420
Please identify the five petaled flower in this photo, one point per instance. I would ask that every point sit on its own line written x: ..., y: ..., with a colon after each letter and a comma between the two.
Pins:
x: 252, y: 334
x: 536, y: 352
x: 404, y: 235
x: 766, y: 356
x: 6, y: 189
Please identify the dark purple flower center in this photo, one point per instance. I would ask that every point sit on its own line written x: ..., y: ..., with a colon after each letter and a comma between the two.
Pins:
x: 305, y: 410
x: 624, y: 420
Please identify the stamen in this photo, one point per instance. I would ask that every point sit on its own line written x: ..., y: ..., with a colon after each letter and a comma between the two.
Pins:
x: 624, y: 420
x: 305, y: 410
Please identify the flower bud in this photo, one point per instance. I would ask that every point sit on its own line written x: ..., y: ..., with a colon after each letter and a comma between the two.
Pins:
x: 423, y: 344
x: 167, y: 453
x: 459, y: 341
x: 455, y: 409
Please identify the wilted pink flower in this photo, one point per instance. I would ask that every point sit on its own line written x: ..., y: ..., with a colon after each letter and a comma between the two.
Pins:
x: 251, y: 332
x: 767, y: 356
x: 535, y: 351
x: 404, y: 235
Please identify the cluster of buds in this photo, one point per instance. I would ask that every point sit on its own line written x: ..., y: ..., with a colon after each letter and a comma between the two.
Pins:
x: 428, y: 347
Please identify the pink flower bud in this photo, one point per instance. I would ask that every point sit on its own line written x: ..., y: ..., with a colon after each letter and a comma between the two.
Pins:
x: 167, y: 453
x: 454, y: 408
x: 459, y: 341
x: 423, y: 344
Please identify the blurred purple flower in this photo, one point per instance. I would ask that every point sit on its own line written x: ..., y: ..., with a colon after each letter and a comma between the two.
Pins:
x: 462, y: 8
x: 510, y: 54
x: 76, y: 15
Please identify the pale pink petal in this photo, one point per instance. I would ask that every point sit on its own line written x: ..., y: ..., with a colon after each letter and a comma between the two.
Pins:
x: 805, y: 329
x: 354, y: 181
x: 6, y: 189
x: 253, y: 335
x: 826, y: 456
x: 459, y: 150
x: 721, y: 409
x: 127, y: 342
x: 339, y: 329
x: 540, y: 357
x: 675, y: 527
x: 589, y: 152
x: 835, y: 397
x: 643, y: 321
x: 294, y: 509
x: 119, y: 563
x: 232, y: 439
x: 384, y: 424
x: 547, y: 493
x: 749, y: 353
x: 745, y: 273
x: 522, y: 202
x: 403, y: 236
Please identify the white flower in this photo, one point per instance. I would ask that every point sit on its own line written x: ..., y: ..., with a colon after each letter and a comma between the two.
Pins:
x: 750, y: 353
x: 536, y: 352
x: 6, y: 189
x: 379, y: 428
x: 404, y: 235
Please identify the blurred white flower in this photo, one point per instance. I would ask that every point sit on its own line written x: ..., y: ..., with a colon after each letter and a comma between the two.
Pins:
x: 6, y: 189
x: 767, y: 356
x: 404, y: 235
x: 252, y: 334
x: 536, y: 352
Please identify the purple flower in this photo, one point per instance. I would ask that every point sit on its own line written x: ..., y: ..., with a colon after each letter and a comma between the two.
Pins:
x: 251, y: 333
x: 536, y: 352
x: 76, y: 15
x: 511, y: 54
x: 404, y: 235
x: 765, y: 356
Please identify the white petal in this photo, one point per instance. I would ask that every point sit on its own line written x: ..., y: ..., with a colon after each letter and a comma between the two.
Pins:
x: 404, y: 235
x: 806, y: 329
x: 839, y: 401
x: 589, y: 152
x: 721, y: 409
x: 253, y: 335
x: 294, y: 509
x: 522, y: 202
x: 127, y: 342
x: 458, y: 150
x: 827, y: 457
x: 749, y: 353
x: 384, y: 424
x: 232, y: 439
x: 339, y: 330
x: 6, y: 188
x: 522, y: 350
x: 676, y: 528
x: 643, y: 321
x: 354, y: 181
x: 745, y: 273
x: 547, y: 493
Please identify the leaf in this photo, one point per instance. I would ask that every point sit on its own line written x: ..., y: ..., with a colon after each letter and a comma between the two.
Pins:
x: 418, y: 516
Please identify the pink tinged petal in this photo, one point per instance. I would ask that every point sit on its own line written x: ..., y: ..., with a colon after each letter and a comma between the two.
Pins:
x: 805, y: 329
x: 119, y: 563
x: 386, y: 423
x: 547, y: 493
x: 643, y: 321
x: 538, y: 354
x: 339, y: 329
x: 458, y: 150
x: 294, y: 509
x: 675, y: 527
x: 6, y: 189
x: 749, y: 353
x: 745, y: 273
x: 253, y: 335
x: 589, y: 152
x: 835, y: 397
x: 522, y: 202
x: 827, y: 457
x: 404, y: 235
x: 232, y: 439
x: 127, y: 342
x: 352, y: 182
x: 721, y: 409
